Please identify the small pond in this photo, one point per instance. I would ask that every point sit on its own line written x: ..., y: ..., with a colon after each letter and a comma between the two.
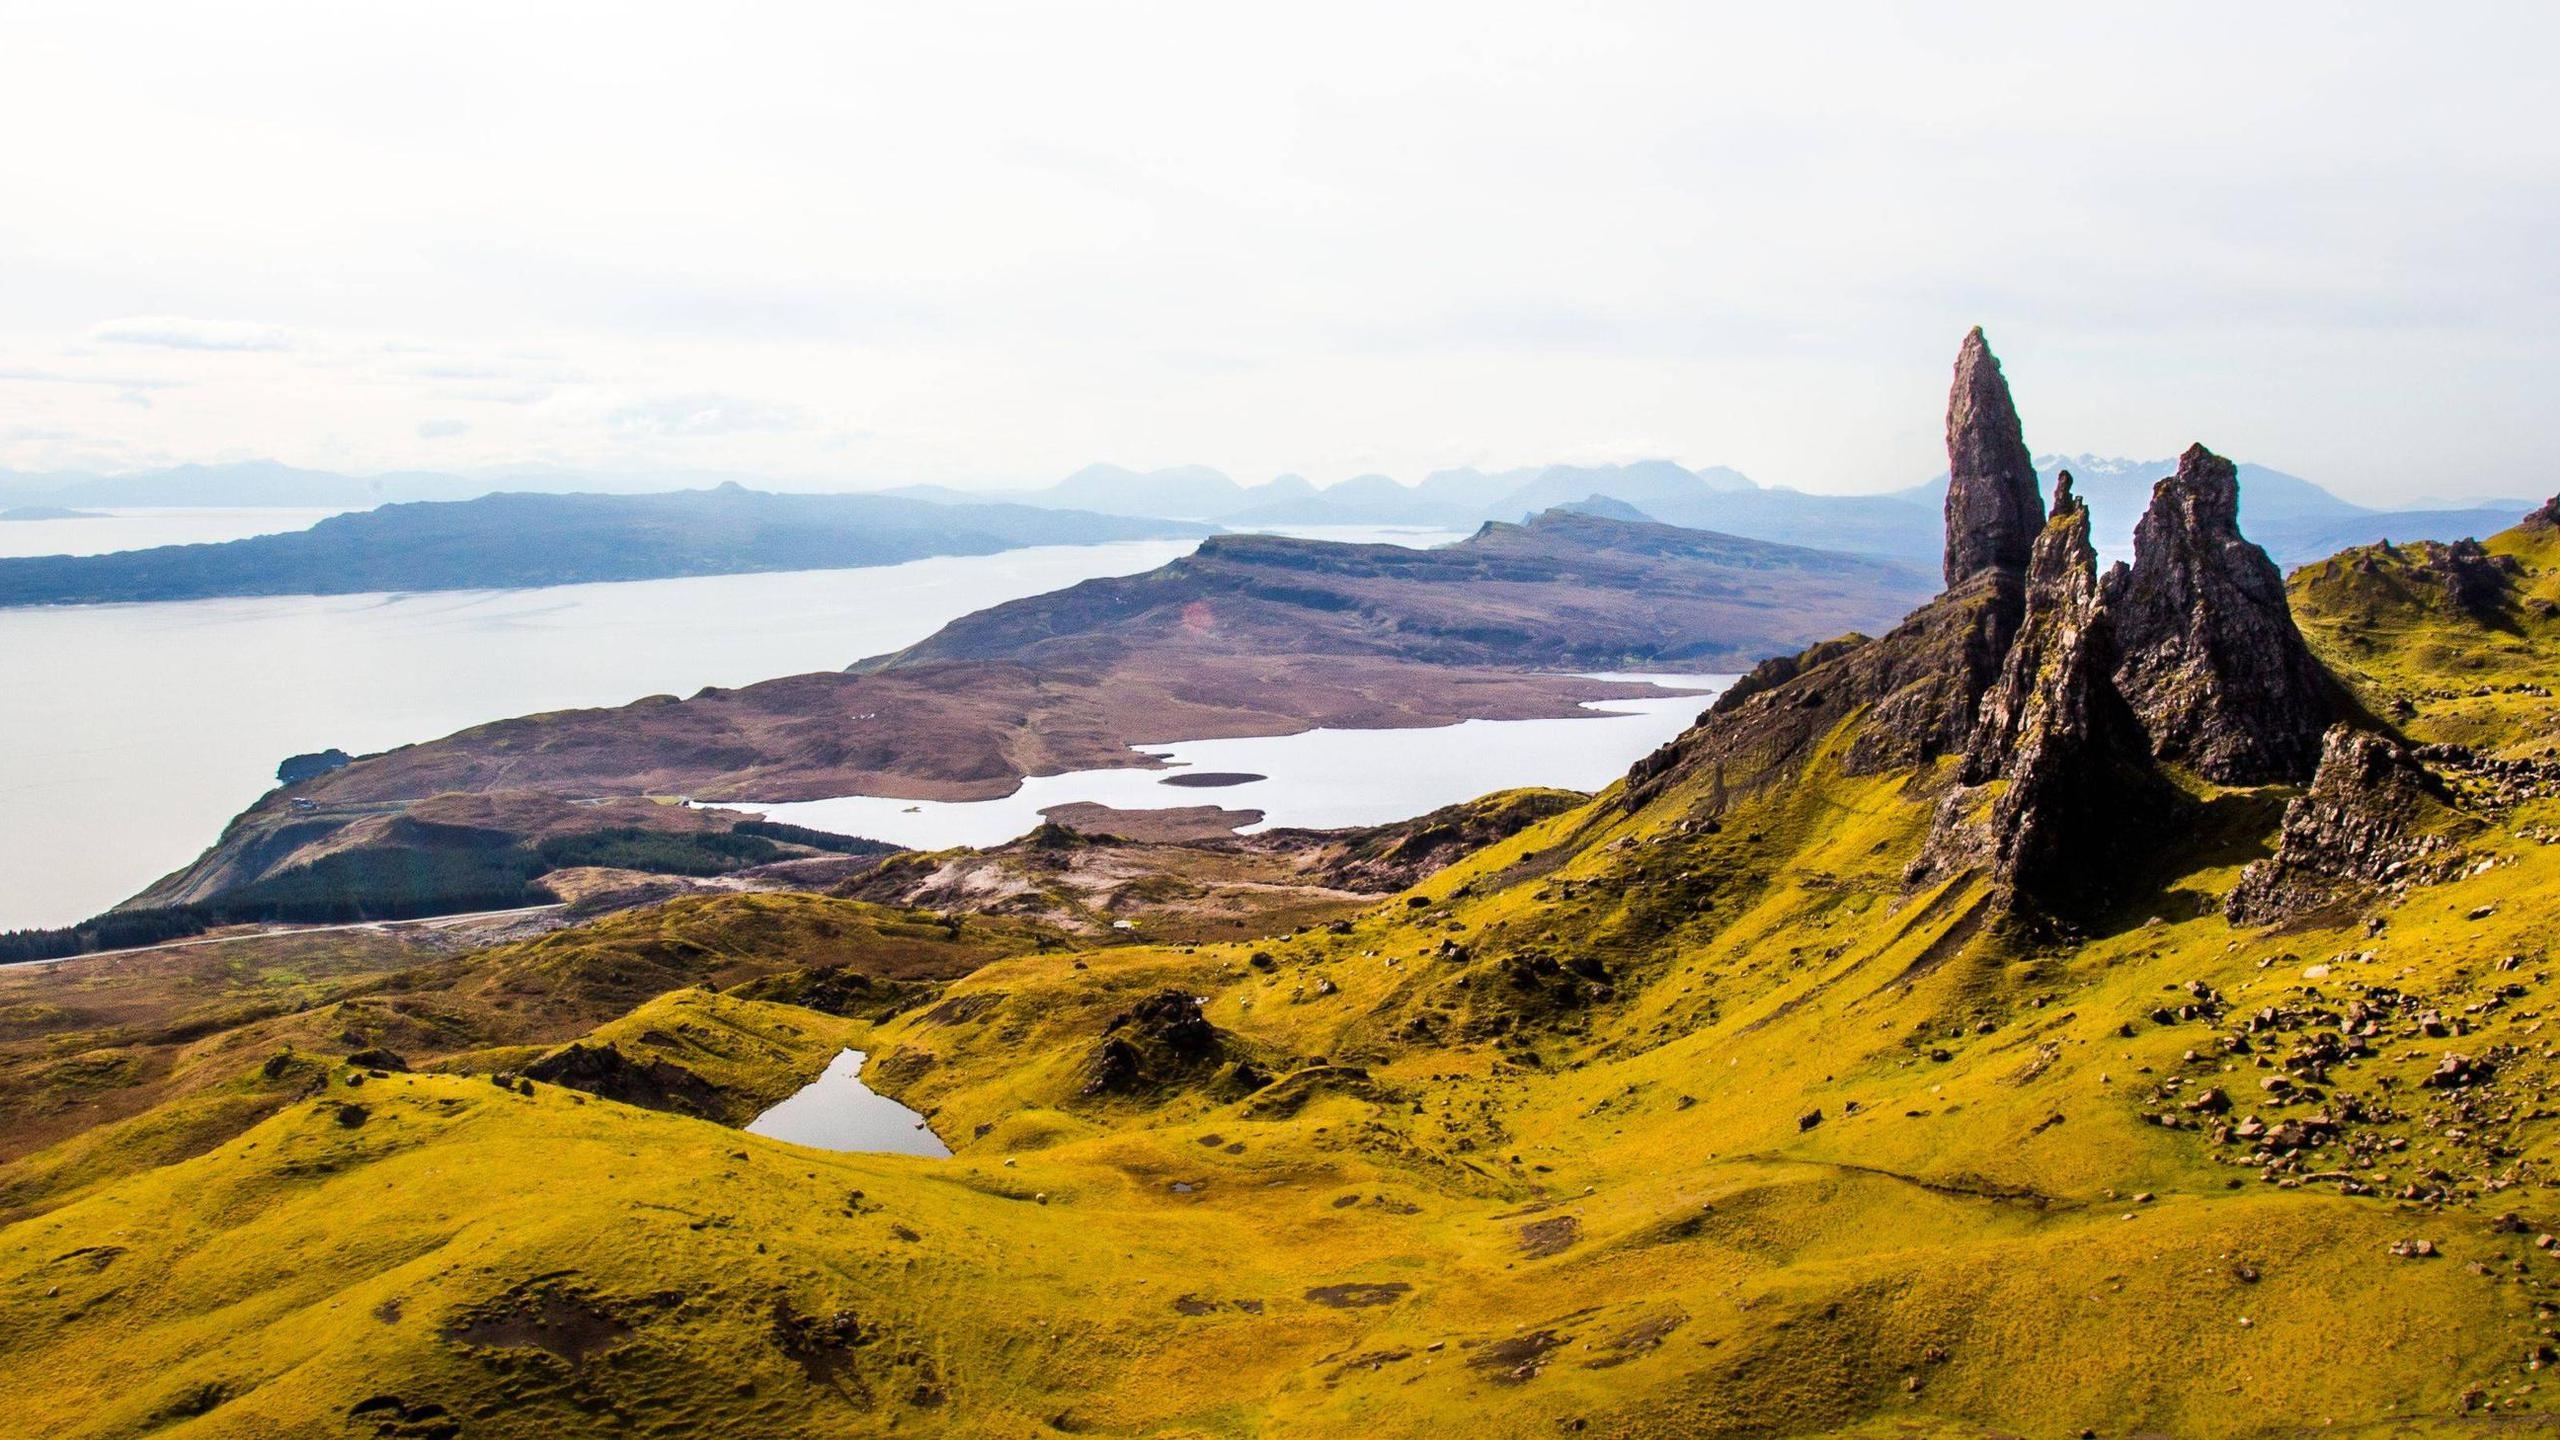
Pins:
x: 837, y: 1111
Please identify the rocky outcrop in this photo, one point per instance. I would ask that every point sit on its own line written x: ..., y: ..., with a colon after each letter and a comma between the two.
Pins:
x: 2545, y: 517
x: 2475, y: 583
x: 1154, y: 1043
x: 1917, y: 686
x: 1777, y: 670
x: 1993, y: 509
x: 2059, y: 691
x: 2075, y: 790
x: 2212, y: 661
x: 653, y: 1084
x: 2373, y: 820
x: 1923, y: 687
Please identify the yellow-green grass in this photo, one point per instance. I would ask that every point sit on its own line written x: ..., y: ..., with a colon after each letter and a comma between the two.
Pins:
x: 1777, y: 1144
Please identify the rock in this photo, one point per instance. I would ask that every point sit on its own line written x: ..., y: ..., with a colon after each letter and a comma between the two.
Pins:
x: 2212, y: 661
x: 2076, y: 792
x: 298, y: 768
x: 1993, y: 509
x: 2372, y: 817
x: 1918, y: 686
x: 1808, y: 1120
x: 2456, y: 1071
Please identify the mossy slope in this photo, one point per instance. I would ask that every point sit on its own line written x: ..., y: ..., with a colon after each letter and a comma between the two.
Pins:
x: 1688, y: 1117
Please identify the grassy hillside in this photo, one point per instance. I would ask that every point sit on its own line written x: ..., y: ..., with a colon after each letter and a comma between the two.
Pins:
x: 1689, y: 1116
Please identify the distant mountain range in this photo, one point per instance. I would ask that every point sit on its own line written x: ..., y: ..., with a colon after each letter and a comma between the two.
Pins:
x: 2296, y: 520
x: 510, y: 541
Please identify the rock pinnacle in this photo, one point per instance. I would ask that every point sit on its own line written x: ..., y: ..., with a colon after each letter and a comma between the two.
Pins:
x: 1993, y: 511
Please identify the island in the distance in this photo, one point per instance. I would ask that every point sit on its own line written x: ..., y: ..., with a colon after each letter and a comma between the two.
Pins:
x: 520, y: 541
x: 47, y: 512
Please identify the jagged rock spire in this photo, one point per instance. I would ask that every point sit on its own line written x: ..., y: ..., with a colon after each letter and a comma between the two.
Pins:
x: 1993, y: 510
x: 2077, y: 788
x: 2212, y: 660
x: 2062, y: 617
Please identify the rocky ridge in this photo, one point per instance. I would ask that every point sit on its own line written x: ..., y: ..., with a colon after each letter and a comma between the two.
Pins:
x: 2056, y: 694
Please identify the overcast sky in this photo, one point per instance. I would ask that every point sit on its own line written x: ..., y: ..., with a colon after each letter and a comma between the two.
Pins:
x: 983, y: 244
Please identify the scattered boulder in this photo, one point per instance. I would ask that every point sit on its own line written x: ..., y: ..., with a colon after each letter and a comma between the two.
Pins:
x: 2453, y: 1072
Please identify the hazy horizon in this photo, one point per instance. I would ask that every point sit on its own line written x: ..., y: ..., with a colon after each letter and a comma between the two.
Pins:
x: 646, y: 480
x: 984, y: 248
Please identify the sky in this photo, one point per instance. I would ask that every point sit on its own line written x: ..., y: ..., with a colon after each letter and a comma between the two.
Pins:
x: 856, y: 245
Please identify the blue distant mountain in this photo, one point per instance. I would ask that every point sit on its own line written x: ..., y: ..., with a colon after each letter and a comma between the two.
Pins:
x: 515, y: 541
x: 2295, y: 519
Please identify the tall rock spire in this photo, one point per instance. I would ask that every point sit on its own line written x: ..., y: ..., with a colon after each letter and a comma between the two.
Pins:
x: 2212, y: 661
x: 1993, y: 511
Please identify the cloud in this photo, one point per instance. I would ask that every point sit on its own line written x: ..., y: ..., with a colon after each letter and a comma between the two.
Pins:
x: 685, y: 416
x: 58, y: 377
x: 441, y: 429
x: 177, y: 332
x: 497, y: 394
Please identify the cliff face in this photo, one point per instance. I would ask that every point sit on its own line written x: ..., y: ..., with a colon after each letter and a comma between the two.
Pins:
x: 2212, y: 660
